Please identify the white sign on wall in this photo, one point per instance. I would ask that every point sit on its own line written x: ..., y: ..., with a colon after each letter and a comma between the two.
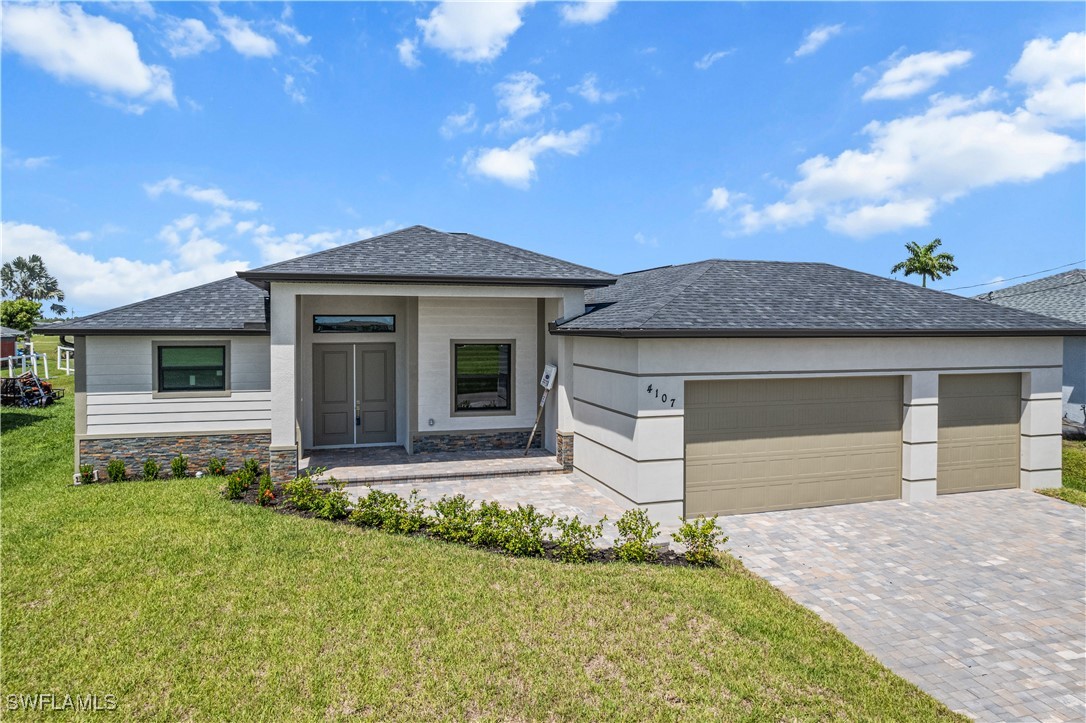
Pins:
x: 547, y: 380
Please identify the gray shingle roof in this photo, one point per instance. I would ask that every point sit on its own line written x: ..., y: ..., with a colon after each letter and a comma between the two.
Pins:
x: 424, y: 254
x: 230, y: 305
x: 7, y: 331
x: 771, y: 298
x: 1061, y: 296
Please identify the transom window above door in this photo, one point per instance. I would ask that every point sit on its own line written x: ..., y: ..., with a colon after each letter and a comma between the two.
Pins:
x: 482, y: 377
x: 353, y: 323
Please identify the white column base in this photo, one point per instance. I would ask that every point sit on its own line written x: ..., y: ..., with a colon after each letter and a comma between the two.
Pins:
x: 924, y: 490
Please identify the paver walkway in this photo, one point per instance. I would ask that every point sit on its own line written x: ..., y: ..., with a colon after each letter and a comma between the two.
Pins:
x: 977, y: 598
x: 552, y: 494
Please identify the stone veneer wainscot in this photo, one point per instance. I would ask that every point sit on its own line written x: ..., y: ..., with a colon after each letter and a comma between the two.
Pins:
x: 199, y: 448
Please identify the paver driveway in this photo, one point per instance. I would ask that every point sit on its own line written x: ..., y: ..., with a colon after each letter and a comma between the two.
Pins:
x: 977, y: 598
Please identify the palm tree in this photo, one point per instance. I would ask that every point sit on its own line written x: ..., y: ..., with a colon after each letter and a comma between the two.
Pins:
x: 27, y: 278
x: 924, y: 261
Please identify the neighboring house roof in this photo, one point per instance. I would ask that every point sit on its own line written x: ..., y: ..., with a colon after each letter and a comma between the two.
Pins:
x: 7, y: 331
x: 1061, y: 296
x: 425, y: 255
x: 228, y: 306
x: 776, y: 299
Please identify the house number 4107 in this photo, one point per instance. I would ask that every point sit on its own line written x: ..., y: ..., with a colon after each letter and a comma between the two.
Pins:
x: 662, y: 396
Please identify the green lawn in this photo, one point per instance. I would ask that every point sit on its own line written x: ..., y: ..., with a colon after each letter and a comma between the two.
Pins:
x: 185, y: 606
x: 1074, y: 475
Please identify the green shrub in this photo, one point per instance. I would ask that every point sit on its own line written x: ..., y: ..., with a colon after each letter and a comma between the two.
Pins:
x: 216, y: 467
x: 453, y: 519
x: 389, y: 512
x: 701, y: 537
x: 635, y: 535
x: 179, y: 466
x: 302, y: 491
x: 236, y: 485
x: 115, y: 470
x: 1074, y: 465
x: 524, y: 534
x: 151, y: 469
x: 489, y: 525
x: 334, y: 504
x: 252, y: 466
x: 86, y: 473
x: 575, y: 539
x: 265, y: 493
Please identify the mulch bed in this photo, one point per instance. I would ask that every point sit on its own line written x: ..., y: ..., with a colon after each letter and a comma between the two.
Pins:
x: 664, y: 557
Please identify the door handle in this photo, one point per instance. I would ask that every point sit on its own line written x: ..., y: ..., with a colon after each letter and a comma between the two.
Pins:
x: 357, y: 413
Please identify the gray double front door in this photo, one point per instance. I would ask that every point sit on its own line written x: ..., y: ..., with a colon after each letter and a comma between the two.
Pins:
x: 354, y: 394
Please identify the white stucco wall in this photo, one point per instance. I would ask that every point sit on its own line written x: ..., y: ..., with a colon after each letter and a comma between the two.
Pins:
x: 120, y: 389
x: 632, y: 441
x: 440, y: 321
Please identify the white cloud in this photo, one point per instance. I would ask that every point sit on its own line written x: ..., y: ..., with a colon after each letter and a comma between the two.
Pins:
x: 520, y: 98
x: 587, y: 13
x: 709, y: 59
x: 718, y: 200
x: 643, y: 240
x: 76, y: 47
x: 244, y: 226
x: 1054, y: 72
x: 815, y: 39
x: 284, y: 27
x: 458, y: 123
x: 589, y: 89
x: 210, y: 195
x: 409, y: 53
x: 290, y: 87
x: 515, y: 166
x: 915, y: 74
x: 241, y: 36
x: 472, y: 32
x: 31, y: 163
x: 91, y: 283
x: 274, y: 247
x: 185, y: 38
x: 914, y: 164
x: 218, y: 219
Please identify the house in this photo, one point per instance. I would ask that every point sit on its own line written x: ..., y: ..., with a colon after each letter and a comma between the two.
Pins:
x: 8, y: 337
x: 1061, y: 296
x: 713, y: 387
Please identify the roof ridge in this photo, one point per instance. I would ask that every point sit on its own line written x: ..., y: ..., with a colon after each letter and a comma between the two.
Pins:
x: 1031, y: 282
x: 521, y: 252
x: 292, y: 259
x: 678, y: 288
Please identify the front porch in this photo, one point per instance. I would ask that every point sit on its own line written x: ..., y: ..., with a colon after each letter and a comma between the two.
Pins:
x: 393, y: 465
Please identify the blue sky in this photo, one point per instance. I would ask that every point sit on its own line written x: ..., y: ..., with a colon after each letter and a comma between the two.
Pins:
x: 152, y: 147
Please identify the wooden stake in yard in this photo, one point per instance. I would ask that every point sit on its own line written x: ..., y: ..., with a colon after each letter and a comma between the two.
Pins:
x: 546, y: 381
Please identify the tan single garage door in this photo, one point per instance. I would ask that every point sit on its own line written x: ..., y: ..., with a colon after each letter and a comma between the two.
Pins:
x: 978, y: 432
x: 776, y: 444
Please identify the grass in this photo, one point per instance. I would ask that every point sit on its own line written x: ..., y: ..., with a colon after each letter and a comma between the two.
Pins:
x: 186, y: 606
x: 1074, y: 475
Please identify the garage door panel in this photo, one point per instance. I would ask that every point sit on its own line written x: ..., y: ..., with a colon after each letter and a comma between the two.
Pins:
x: 979, y: 427
x: 755, y: 445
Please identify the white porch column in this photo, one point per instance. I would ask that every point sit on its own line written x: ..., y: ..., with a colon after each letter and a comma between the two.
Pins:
x: 283, y: 463
x: 1042, y: 411
x: 572, y: 305
x: 920, y: 437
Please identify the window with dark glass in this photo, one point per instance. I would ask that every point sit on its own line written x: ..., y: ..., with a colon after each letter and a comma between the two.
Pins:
x: 483, y: 379
x: 353, y: 324
x: 191, y: 368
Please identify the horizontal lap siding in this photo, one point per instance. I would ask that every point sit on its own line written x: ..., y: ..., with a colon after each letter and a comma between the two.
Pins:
x: 120, y: 390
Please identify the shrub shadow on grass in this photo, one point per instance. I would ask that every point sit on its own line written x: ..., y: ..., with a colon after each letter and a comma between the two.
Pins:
x: 12, y: 419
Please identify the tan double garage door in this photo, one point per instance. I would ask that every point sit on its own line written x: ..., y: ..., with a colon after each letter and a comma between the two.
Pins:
x: 775, y: 444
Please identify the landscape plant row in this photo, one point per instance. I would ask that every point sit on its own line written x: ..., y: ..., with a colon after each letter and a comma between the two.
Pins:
x: 116, y: 471
x: 521, y: 531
